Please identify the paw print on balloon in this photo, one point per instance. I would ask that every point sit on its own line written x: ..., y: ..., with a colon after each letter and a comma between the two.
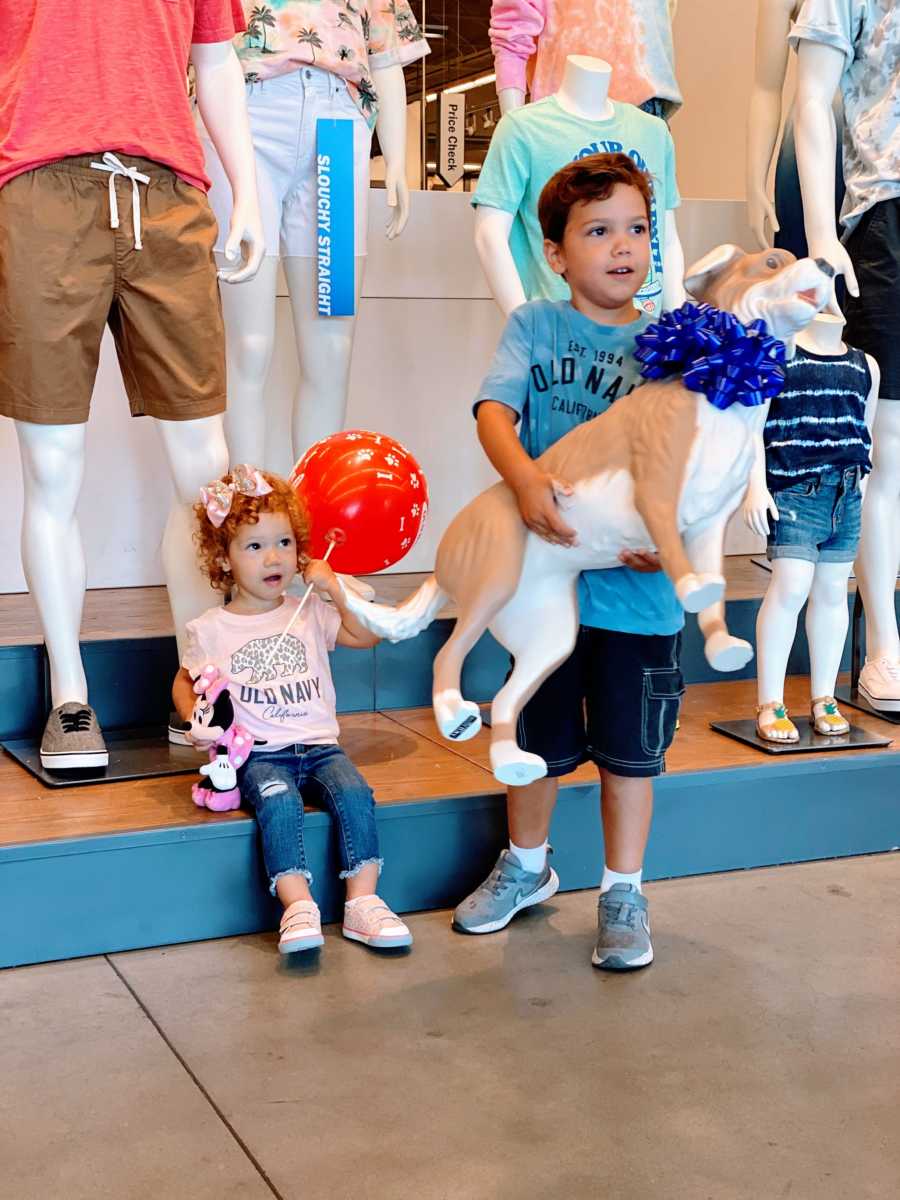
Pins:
x: 392, y: 460
x: 406, y: 543
x: 365, y: 455
x: 415, y: 510
x: 414, y: 481
x: 352, y: 437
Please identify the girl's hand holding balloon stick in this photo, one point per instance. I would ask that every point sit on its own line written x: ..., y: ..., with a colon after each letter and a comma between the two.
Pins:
x: 317, y: 574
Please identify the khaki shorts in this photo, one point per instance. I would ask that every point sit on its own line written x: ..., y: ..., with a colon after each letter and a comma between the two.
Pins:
x: 65, y: 274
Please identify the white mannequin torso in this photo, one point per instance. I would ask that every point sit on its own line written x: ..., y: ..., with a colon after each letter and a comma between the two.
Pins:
x: 584, y: 91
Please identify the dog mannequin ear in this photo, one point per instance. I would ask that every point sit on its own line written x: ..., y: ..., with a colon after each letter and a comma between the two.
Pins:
x: 699, y: 276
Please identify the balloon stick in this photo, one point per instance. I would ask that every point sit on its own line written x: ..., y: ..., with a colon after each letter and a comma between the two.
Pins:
x: 334, y: 537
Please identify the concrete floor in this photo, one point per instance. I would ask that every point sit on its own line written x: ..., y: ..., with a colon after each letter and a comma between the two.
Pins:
x: 757, y: 1059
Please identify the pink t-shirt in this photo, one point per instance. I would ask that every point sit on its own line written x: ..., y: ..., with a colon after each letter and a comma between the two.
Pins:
x: 284, y: 699
x: 104, y: 75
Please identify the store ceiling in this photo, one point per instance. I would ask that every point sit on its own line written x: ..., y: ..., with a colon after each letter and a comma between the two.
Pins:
x: 460, y: 48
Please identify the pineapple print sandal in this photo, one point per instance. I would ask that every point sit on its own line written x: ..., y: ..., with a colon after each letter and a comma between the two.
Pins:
x: 827, y: 718
x: 780, y: 728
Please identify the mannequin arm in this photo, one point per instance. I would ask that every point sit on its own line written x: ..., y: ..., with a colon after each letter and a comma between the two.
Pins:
x: 492, y: 227
x: 758, y: 503
x: 221, y: 99
x: 673, y: 265
x: 391, y: 125
x: 764, y: 119
x: 510, y: 99
x: 515, y: 28
x: 819, y: 70
x: 872, y: 398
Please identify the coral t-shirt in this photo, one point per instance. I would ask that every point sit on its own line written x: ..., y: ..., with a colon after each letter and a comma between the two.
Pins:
x: 104, y: 75
x: 282, y: 694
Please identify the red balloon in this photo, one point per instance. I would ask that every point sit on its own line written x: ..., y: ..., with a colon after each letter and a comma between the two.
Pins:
x: 367, y: 489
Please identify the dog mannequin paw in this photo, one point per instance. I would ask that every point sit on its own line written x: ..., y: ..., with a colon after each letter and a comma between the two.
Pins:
x: 515, y: 767
x: 457, y: 719
x: 696, y: 592
x: 726, y: 653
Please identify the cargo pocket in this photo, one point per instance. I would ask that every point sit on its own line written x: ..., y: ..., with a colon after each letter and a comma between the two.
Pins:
x: 662, y: 692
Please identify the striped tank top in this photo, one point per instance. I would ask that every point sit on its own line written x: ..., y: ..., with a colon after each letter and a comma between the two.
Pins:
x: 817, y: 423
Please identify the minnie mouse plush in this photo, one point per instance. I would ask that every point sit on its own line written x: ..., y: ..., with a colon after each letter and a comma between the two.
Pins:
x: 214, y: 715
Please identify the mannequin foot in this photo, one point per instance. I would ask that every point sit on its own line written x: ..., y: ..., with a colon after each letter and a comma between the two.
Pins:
x: 879, y: 682
x: 773, y: 723
x: 72, y: 739
x: 826, y: 717
x: 726, y: 653
x: 697, y: 592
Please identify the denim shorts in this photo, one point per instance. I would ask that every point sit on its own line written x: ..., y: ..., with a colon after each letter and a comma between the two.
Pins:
x: 818, y: 519
x: 614, y: 702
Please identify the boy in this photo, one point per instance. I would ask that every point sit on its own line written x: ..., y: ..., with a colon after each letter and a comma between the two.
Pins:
x: 615, y: 701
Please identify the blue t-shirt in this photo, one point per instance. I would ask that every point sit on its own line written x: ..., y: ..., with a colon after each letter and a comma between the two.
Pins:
x: 556, y: 367
x: 531, y: 143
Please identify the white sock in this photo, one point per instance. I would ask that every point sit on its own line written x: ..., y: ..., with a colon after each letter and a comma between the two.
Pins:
x: 611, y: 877
x: 533, y: 859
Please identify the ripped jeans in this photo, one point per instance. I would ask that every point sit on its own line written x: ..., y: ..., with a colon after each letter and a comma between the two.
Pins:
x: 278, y: 783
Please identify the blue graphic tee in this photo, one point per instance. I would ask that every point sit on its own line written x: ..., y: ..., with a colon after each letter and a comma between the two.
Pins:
x: 556, y: 368
x: 531, y: 143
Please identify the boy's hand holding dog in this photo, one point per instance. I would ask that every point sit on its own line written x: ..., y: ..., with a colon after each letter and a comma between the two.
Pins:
x: 540, y: 498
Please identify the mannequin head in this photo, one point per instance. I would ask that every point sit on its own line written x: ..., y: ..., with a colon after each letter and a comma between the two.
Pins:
x: 260, y: 543
x: 595, y: 217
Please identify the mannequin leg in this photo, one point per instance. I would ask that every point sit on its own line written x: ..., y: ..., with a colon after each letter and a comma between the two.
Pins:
x: 776, y: 628
x: 324, y: 350
x: 52, y: 553
x: 827, y: 619
x: 879, y: 545
x: 197, y: 453
x: 249, y: 312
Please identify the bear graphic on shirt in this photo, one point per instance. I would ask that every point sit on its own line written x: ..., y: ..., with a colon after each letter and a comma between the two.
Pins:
x: 254, y: 656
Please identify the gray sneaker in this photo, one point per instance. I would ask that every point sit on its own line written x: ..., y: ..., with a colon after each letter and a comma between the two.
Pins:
x: 507, y: 890
x: 72, y: 739
x: 623, y: 930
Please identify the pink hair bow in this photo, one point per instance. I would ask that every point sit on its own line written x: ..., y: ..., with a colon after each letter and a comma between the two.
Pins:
x: 218, y: 496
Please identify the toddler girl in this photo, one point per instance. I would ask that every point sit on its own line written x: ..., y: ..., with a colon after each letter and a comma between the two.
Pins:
x: 252, y: 541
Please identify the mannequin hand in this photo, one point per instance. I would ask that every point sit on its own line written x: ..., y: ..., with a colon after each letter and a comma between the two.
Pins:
x: 540, y: 498
x: 832, y: 250
x: 762, y: 219
x: 758, y: 506
x: 245, y: 235
x: 398, y: 201
x: 645, y: 561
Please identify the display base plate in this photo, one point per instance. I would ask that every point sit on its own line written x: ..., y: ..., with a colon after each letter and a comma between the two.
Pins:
x: 810, y: 742
x: 133, y: 754
x: 856, y: 700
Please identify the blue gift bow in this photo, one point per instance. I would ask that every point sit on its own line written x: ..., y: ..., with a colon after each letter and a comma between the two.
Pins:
x: 715, y: 354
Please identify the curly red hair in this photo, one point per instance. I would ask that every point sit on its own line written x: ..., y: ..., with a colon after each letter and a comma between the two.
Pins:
x: 213, y: 542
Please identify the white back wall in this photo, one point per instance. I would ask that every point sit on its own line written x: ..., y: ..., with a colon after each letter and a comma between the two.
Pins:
x: 427, y: 329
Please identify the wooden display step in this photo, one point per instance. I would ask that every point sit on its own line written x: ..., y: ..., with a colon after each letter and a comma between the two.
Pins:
x: 112, y: 867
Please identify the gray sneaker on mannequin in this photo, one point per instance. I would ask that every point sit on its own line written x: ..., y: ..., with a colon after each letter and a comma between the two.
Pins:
x: 507, y: 890
x: 623, y: 930
x: 72, y: 739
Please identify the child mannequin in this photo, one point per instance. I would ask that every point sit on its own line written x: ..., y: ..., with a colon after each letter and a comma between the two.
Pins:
x: 252, y: 540
x: 807, y: 478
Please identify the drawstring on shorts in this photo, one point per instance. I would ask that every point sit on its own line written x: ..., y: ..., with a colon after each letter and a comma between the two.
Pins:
x: 116, y: 167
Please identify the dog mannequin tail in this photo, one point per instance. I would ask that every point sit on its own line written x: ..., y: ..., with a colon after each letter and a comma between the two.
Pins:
x: 407, y: 619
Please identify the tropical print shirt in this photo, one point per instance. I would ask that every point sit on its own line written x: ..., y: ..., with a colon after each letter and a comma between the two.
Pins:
x: 350, y: 38
x: 867, y: 32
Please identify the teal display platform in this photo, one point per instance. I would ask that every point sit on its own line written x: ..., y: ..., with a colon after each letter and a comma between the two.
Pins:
x: 80, y: 896
x: 130, y: 679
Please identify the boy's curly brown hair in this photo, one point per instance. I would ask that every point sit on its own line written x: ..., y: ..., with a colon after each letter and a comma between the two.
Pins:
x: 213, y: 543
x: 590, y: 178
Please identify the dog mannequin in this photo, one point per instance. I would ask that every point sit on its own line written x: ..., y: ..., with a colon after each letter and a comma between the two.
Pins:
x: 661, y: 467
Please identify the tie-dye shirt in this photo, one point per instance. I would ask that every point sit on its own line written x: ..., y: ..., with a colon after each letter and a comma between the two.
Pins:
x: 867, y: 32
x: 633, y: 36
x: 349, y: 38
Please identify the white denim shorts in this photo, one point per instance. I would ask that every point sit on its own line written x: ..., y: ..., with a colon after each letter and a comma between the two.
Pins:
x: 283, y: 113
